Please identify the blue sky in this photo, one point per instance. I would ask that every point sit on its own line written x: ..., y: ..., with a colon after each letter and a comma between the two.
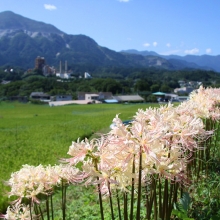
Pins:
x: 167, y: 27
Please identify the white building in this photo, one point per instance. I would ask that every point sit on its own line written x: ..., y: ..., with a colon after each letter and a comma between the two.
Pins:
x: 128, y: 98
x: 91, y: 96
x: 184, y: 90
x: 64, y: 75
x: 87, y: 75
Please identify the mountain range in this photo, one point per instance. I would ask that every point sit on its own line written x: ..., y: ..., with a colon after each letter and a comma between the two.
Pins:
x: 193, y: 61
x: 23, y: 39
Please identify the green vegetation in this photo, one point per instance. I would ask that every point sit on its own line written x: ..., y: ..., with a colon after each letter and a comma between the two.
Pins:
x: 39, y: 134
x: 115, y: 80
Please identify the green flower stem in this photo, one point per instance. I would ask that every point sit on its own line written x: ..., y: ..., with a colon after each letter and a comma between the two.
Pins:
x: 176, y: 187
x: 199, y: 165
x: 155, y: 199
x: 100, y: 201
x: 36, y: 211
x: 30, y: 209
x: 152, y: 199
x: 110, y: 199
x: 41, y: 213
x: 147, y: 202
x: 132, y: 191
x: 48, y: 208
x: 118, y: 203
x: 216, y: 139
x: 139, y: 186
x: 165, y: 199
x: 64, y: 200
x: 51, y: 204
x: 125, y: 206
x: 160, y: 198
x: 99, y: 192
x: 171, y: 191
x: 208, y: 141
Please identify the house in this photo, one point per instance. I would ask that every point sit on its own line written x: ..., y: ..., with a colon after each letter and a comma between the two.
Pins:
x: 62, y: 98
x: 105, y: 95
x: 184, y: 90
x: 40, y: 96
x: 183, y: 98
x: 91, y: 97
x: 170, y: 97
x: 94, y: 95
x: 129, y: 98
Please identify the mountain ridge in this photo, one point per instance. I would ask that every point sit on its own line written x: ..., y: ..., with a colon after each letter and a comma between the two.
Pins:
x: 204, y: 61
x: 23, y: 39
x: 13, y: 22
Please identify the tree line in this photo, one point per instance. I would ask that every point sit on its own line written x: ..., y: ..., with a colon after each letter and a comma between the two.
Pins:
x: 116, y: 80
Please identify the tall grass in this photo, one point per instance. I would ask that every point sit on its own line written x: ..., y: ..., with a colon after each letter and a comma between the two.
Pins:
x: 36, y: 134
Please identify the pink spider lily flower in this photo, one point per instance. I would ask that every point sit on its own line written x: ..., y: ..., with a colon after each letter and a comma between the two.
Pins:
x: 120, y: 129
x: 124, y: 177
x: 62, y: 174
x: 27, y: 182
x: 204, y: 103
x: 18, y: 212
x: 80, y: 150
x: 105, y: 179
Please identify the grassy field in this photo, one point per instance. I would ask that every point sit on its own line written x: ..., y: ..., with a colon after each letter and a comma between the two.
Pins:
x: 39, y: 134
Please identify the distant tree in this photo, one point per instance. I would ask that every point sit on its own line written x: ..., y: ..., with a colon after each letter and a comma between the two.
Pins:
x: 58, y: 92
x: 151, y: 98
x: 111, y: 85
x: 155, y: 88
x: 97, y: 84
x: 142, y: 85
x: 165, y: 88
x: 173, y: 84
x: 38, y: 71
x: 12, y: 89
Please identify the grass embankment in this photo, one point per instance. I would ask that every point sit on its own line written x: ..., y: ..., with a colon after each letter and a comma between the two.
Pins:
x: 39, y: 134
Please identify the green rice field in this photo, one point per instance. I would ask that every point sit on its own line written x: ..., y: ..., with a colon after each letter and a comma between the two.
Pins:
x: 39, y: 134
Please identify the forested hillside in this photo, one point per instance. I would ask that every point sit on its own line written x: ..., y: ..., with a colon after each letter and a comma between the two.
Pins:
x: 116, y: 80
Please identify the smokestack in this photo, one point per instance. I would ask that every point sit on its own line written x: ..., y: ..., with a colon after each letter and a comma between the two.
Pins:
x: 65, y: 66
x: 60, y: 67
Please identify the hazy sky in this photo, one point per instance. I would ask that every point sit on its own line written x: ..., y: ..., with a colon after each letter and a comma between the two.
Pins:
x: 178, y: 27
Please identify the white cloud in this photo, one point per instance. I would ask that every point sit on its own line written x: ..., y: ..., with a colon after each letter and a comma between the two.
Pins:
x: 123, y: 0
x: 155, y: 44
x: 50, y: 7
x: 208, y: 50
x: 193, y: 51
x: 168, y: 45
x: 146, y: 45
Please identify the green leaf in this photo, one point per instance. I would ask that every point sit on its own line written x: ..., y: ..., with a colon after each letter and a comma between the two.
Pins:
x: 185, y: 201
x: 180, y: 209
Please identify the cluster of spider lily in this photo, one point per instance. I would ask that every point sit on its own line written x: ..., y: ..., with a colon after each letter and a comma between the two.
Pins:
x: 149, y: 161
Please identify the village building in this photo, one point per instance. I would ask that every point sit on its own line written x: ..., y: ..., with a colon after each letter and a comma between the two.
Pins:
x: 128, y: 98
x: 40, y: 96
